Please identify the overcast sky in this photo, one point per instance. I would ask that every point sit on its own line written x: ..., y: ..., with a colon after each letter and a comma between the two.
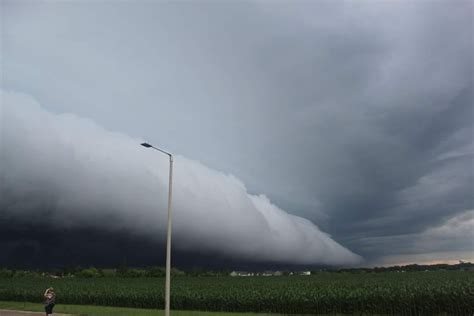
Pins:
x: 315, y: 132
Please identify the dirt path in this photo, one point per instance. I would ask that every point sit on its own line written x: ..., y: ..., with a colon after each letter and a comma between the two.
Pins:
x: 5, y: 312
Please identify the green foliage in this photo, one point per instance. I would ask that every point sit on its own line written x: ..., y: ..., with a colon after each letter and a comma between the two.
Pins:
x: 414, y: 293
x: 122, y: 270
x: 176, y: 272
x: 134, y: 273
x: 27, y: 274
x: 89, y: 273
x: 5, y: 273
x: 156, y: 272
x: 108, y: 273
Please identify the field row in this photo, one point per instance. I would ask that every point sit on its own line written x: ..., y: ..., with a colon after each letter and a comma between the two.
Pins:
x: 396, y: 293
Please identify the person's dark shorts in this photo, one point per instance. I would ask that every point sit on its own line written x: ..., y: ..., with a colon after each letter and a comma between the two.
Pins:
x: 49, y: 308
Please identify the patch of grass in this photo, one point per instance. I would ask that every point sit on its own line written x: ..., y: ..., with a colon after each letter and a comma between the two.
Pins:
x: 110, y: 311
x: 88, y: 310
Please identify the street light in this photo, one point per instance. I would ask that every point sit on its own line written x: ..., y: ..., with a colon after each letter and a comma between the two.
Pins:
x: 168, y: 239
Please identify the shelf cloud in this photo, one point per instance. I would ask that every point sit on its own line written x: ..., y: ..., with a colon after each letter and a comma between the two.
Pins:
x: 66, y: 171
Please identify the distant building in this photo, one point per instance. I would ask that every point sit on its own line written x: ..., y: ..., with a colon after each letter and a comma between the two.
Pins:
x: 241, y: 273
x: 304, y: 273
x: 265, y: 273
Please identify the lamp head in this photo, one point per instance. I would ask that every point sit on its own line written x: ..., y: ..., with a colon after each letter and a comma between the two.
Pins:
x: 146, y: 145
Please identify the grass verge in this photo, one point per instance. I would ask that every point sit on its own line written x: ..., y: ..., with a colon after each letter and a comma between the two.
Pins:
x: 88, y: 310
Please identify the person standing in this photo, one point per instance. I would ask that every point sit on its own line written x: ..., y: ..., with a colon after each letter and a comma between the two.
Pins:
x: 49, y: 300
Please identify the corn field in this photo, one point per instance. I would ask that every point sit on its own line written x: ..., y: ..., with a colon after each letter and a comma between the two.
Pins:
x: 413, y: 293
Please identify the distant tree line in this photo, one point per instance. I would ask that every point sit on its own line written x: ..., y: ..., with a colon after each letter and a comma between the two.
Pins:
x: 122, y: 271
x: 157, y: 272
x: 465, y: 266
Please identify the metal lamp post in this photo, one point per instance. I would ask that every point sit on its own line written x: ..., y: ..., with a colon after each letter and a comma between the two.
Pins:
x: 168, y: 239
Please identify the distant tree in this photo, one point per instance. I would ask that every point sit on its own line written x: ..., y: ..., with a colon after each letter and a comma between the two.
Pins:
x: 176, y: 272
x: 89, y: 273
x: 208, y: 274
x: 196, y: 272
x: 108, y: 273
x: 156, y: 272
x: 122, y: 270
x: 56, y: 271
x: 66, y: 271
x: 135, y: 273
x: 6, y: 273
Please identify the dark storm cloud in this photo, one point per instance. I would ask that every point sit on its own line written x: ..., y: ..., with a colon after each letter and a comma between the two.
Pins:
x: 355, y: 115
x: 30, y: 246
x: 67, y: 172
